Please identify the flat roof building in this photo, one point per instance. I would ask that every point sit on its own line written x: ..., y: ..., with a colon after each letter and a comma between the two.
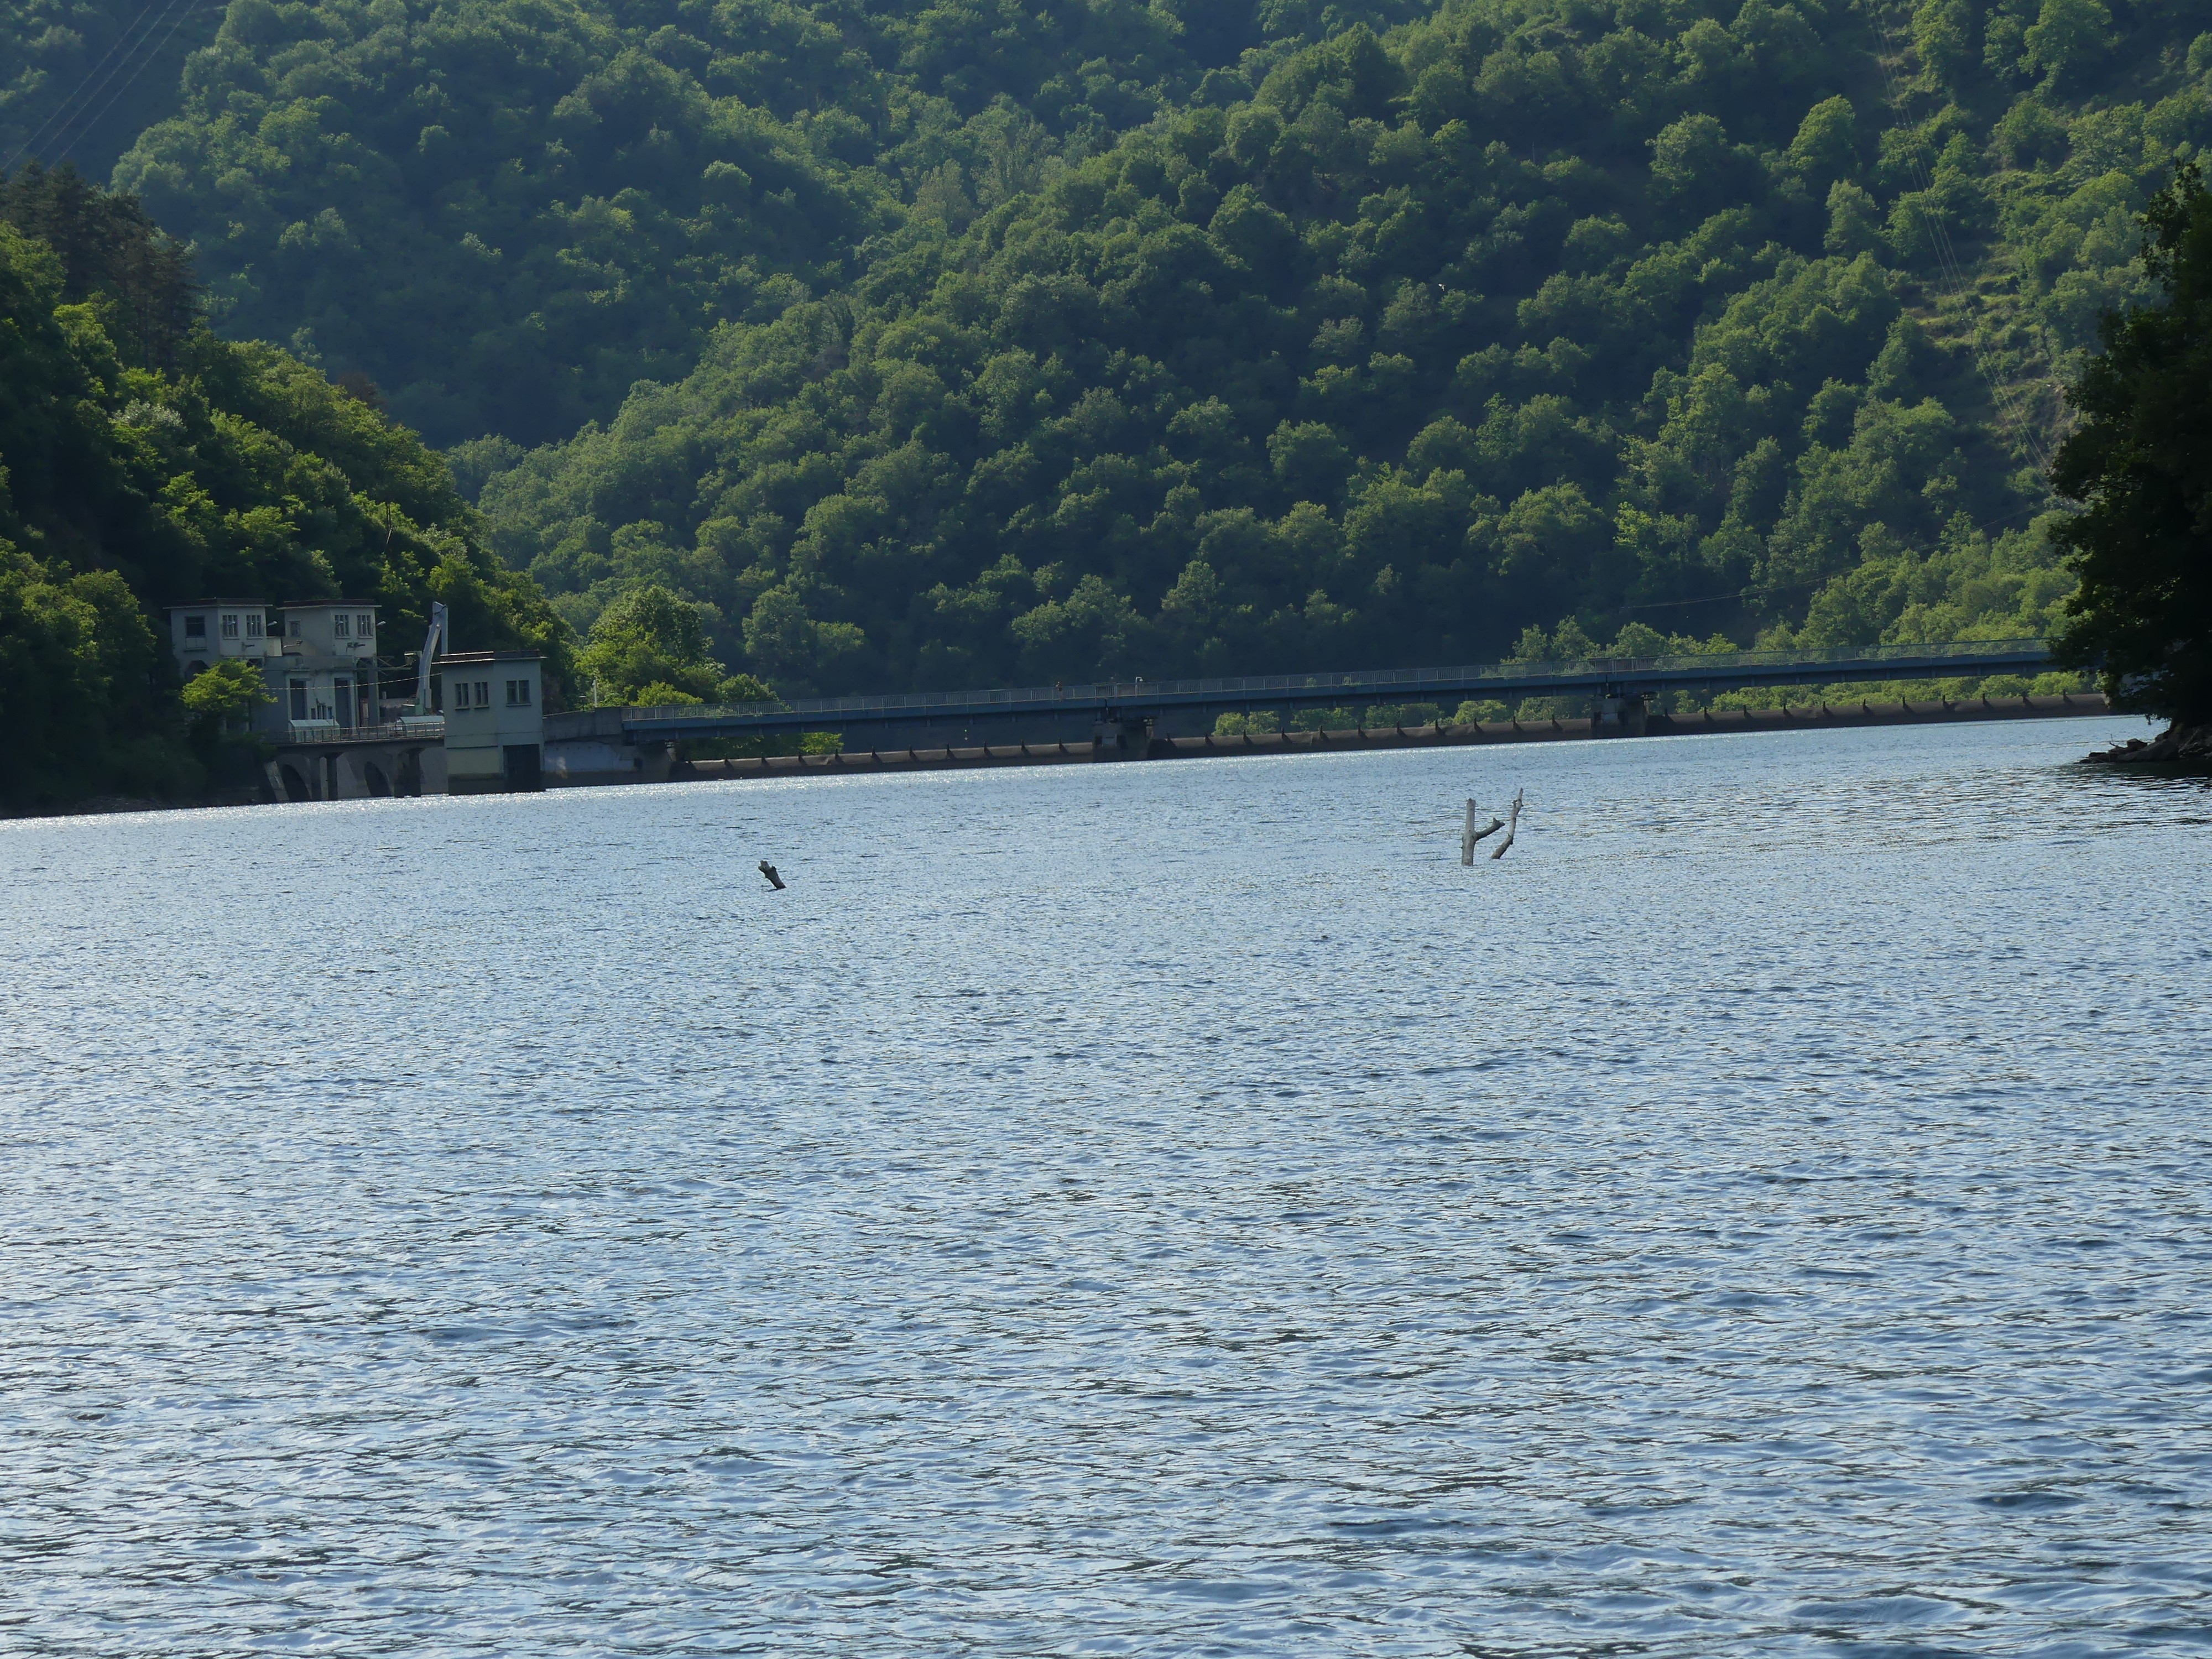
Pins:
x: 342, y: 629
x: 493, y: 705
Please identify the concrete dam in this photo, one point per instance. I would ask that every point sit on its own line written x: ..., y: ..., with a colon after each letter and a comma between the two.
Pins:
x: 1146, y: 720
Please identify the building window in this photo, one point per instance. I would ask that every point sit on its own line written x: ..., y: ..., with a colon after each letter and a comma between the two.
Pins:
x: 230, y: 624
x: 483, y: 694
x: 338, y: 623
x: 256, y: 625
x: 525, y: 685
x: 292, y: 626
x: 299, y: 689
x: 363, y: 625
x: 196, y: 627
x: 460, y: 694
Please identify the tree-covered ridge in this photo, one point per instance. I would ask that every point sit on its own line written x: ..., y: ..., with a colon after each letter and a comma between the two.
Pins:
x: 506, y: 211
x: 140, y: 468
x: 1526, y: 310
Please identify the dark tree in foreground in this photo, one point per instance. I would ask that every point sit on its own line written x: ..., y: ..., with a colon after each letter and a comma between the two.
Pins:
x: 108, y: 247
x: 2140, y: 466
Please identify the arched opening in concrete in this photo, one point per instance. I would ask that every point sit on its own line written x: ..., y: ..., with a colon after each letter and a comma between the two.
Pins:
x: 295, y: 787
x: 407, y: 779
x: 372, y: 775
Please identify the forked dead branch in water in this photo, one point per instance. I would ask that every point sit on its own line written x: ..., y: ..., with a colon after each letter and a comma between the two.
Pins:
x: 1470, y: 835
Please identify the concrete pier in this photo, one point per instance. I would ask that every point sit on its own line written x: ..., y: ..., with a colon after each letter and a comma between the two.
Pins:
x: 1625, y: 716
x: 1120, y: 739
x: 356, y: 766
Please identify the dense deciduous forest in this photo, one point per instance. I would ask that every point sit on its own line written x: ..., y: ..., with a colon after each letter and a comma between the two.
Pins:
x: 507, y: 213
x: 83, y: 78
x: 1630, y: 316
x: 938, y: 343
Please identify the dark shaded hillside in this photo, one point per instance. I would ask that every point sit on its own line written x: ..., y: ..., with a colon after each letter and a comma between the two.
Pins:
x: 1739, y: 319
x: 81, y: 79
x: 506, y: 211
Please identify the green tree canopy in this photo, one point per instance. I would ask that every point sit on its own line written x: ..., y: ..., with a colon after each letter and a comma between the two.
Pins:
x: 61, y: 93
x: 506, y: 212
x: 226, y: 691
x: 111, y: 253
x: 929, y: 345
x: 1435, y: 334
x: 650, y: 646
x: 78, y: 672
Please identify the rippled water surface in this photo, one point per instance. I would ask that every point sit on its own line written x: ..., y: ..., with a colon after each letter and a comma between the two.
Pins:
x: 1149, y: 1209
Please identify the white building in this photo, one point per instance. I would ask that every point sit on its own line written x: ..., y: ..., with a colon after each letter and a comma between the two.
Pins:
x: 493, y: 705
x: 318, y: 656
x: 207, y: 629
x: 328, y: 679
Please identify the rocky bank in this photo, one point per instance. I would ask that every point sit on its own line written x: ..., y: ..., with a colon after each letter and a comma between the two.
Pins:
x: 2178, y: 744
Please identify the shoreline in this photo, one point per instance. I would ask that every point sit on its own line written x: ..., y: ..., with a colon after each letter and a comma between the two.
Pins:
x: 2184, y: 747
x: 1816, y: 716
x: 1935, y: 711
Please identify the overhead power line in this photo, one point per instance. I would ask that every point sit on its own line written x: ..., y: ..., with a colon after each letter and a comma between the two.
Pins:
x: 120, y: 55
x: 63, y: 108
x: 183, y: 10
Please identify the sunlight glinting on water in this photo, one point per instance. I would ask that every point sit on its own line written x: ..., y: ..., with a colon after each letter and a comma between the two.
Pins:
x: 1171, y: 1208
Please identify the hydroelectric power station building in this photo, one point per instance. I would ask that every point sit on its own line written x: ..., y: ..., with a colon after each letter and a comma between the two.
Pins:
x: 335, y: 736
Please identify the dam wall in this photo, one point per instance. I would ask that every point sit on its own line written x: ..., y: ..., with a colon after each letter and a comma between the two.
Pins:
x: 1817, y: 716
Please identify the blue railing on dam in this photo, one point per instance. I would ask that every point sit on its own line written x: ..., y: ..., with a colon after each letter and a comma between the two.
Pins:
x: 1135, y: 699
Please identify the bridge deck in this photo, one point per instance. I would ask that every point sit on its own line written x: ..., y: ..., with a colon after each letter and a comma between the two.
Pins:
x: 1136, y: 699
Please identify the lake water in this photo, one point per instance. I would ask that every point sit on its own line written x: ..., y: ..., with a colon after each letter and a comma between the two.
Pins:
x: 1124, y: 1209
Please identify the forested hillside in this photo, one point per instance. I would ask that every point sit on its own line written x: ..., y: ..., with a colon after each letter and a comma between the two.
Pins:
x: 1743, y: 320
x: 506, y: 211
x: 143, y: 462
x: 939, y: 344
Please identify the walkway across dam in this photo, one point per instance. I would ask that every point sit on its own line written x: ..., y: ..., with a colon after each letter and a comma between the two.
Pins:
x: 1476, y: 734
x: 1137, y: 705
